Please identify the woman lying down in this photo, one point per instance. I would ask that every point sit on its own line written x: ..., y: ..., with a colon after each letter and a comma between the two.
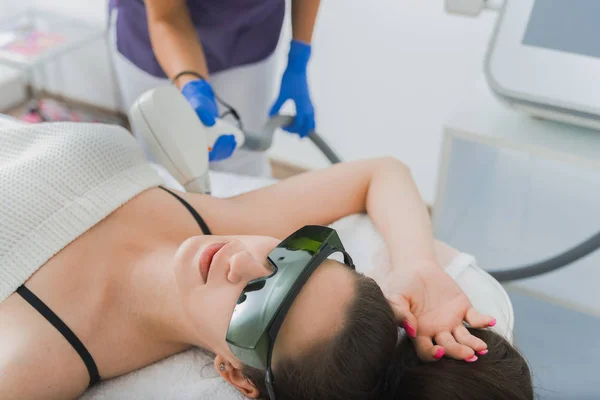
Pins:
x: 103, y: 271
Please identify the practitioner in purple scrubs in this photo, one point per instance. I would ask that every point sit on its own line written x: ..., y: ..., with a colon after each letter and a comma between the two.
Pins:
x: 217, y: 46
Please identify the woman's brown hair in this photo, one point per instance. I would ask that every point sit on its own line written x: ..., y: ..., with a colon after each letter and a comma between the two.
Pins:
x: 366, y: 361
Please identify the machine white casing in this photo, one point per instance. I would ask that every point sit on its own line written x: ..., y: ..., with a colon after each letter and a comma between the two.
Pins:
x: 465, y: 7
x: 542, y: 82
x: 175, y: 136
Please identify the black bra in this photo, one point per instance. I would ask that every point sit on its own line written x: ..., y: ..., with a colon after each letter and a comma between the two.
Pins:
x: 64, y: 330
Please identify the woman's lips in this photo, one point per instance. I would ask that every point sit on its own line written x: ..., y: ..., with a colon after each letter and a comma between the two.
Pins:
x: 206, y: 258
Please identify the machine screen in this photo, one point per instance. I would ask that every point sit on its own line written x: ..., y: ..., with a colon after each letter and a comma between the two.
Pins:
x: 566, y: 25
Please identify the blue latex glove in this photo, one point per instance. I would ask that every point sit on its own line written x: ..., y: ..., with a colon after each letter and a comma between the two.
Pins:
x: 294, y: 86
x: 201, y: 97
x: 223, y: 148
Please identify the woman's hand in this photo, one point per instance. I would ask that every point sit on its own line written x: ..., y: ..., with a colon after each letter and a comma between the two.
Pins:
x: 432, y: 308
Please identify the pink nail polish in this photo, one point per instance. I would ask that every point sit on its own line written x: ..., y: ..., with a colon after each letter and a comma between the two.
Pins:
x: 409, y: 329
x: 439, y: 353
x: 493, y: 322
x: 482, y: 352
x: 472, y: 359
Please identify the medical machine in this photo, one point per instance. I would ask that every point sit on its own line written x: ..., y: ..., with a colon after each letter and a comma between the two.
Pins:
x: 179, y: 141
x: 544, y: 57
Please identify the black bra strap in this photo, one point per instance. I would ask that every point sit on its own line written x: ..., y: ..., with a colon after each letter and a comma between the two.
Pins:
x: 192, y: 211
x: 64, y: 330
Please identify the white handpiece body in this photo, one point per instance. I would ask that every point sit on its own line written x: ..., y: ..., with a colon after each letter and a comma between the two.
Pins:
x: 176, y: 137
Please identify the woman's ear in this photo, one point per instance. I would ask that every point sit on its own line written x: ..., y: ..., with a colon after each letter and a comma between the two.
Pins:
x: 235, y: 377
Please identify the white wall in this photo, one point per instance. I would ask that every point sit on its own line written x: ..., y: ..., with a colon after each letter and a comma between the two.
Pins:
x: 384, y: 75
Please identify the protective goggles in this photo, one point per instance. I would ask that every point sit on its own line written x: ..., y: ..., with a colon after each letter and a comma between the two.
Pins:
x: 264, y: 302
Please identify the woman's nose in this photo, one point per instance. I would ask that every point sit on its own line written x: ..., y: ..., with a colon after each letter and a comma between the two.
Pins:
x: 245, y: 268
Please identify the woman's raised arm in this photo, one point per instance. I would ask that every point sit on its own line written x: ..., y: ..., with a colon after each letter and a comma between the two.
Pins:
x: 381, y: 187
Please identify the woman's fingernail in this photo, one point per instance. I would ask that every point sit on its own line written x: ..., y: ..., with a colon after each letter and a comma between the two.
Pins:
x: 493, y: 322
x: 472, y: 359
x: 409, y: 329
x: 482, y: 352
x: 439, y: 353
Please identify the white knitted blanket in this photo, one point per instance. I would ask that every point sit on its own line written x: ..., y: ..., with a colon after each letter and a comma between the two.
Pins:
x: 58, y: 180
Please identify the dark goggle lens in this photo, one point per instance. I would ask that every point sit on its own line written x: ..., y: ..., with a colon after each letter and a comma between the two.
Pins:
x: 257, y: 284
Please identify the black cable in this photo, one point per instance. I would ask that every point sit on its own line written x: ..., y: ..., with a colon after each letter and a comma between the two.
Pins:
x: 552, y: 264
x: 324, y: 147
x: 230, y: 109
